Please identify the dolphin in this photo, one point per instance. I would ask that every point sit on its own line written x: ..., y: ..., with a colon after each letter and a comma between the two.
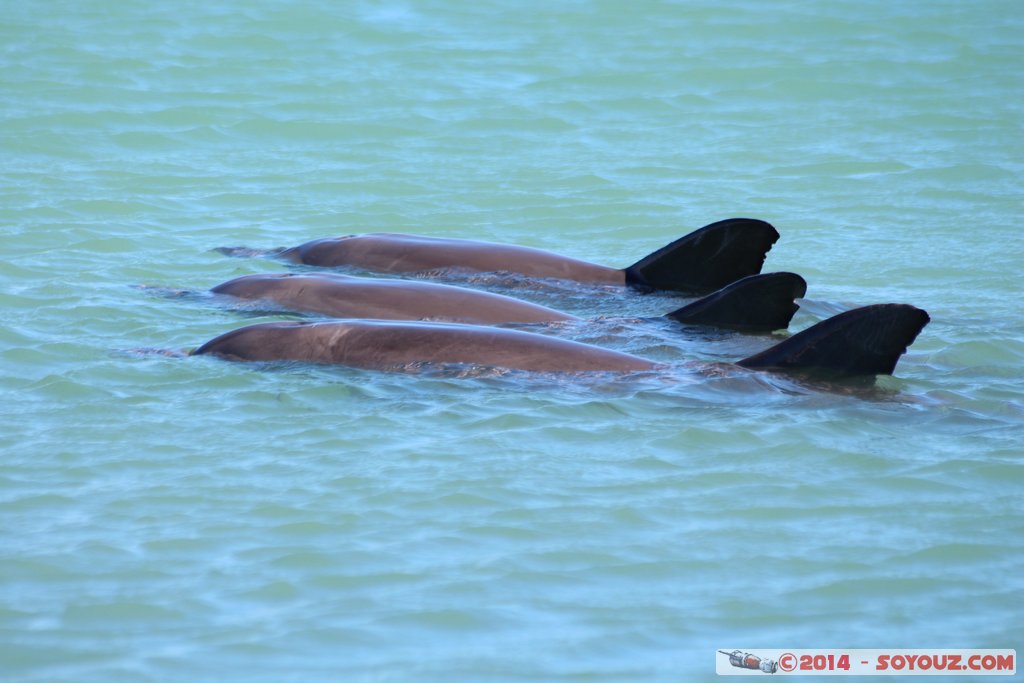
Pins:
x: 755, y: 303
x: 702, y: 261
x: 862, y: 341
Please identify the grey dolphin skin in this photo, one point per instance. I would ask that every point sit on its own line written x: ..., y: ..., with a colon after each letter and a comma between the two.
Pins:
x: 702, y: 261
x: 863, y: 341
x: 345, y: 296
x: 385, y: 344
x: 755, y: 303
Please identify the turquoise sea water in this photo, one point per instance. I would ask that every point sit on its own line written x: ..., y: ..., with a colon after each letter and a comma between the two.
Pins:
x: 166, y: 519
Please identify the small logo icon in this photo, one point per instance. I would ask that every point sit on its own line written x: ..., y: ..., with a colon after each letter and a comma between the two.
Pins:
x: 745, y: 660
x: 787, y: 662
